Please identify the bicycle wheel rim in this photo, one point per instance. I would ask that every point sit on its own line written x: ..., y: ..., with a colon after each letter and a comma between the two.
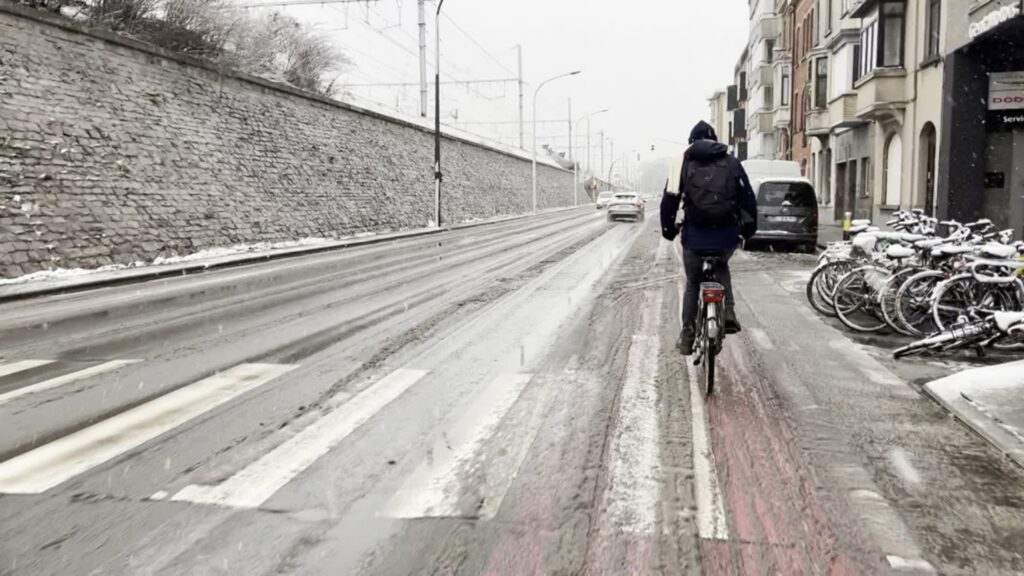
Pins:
x: 854, y: 301
x: 889, y: 301
x: 913, y: 302
x: 964, y: 296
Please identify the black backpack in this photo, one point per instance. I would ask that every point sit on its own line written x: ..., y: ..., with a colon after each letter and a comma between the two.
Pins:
x: 711, y: 193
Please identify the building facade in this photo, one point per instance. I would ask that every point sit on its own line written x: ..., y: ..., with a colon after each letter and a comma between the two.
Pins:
x: 765, y: 27
x: 981, y: 155
x: 719, y: 117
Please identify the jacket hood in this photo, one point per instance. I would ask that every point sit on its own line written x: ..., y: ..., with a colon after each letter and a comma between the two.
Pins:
x: 707, y: 150
x: 703, y: 131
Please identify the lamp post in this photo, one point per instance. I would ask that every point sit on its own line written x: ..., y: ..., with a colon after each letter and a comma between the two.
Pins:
x: 437, y: 116
x: 612, y: 167
x: 535, y: 93
x: 575, y: 164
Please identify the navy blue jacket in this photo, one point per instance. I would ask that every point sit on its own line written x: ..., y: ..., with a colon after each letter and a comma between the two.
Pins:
x: 706, y: 239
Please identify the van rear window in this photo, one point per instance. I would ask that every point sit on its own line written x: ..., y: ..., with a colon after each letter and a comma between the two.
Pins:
x: 795, y: 194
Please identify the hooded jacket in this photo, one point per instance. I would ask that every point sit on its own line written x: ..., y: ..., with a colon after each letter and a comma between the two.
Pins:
x: 703, y: 147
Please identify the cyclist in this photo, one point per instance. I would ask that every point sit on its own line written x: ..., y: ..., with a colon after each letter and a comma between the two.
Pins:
x: 719, y: 207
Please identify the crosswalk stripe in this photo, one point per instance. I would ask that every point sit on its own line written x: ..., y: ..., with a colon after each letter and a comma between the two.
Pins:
x: 256, y: 483
x: 433, y: 489
x: 62, y: 380
x: 8, y: 368
x: 49, y: 465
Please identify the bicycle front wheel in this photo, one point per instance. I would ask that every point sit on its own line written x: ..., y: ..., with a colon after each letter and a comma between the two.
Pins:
x: 822, y: 284
x: 914, y: 302
x: 889, y: 302
x: 856, y: 299
x: 963, y: 296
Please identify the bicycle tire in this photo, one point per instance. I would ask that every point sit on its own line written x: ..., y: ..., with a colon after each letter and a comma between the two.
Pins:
x: 922, y: 346
x: 822, y: 283
x: 855, y: 300
x: 913, y: 302
x: 974, y: 295
x: 888, y: 302
x: 709, y: 371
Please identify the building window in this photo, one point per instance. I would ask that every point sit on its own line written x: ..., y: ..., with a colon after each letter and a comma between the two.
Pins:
x: 865, y: 177
x: 769, y: 51
x: 769, y: 96
x: 892, y: 19
x: 856, y: 63
x: 797, y: 44
x: 821, y: 82
x: 813, y: 29
x: 784, y: 86
x: 868, y: 49
x: 931, y: 49
x: 828, y: 17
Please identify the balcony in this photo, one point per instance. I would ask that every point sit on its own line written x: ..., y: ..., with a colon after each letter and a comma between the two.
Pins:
x: 761, y: 121
x: 766, y: 27
x: 816, y: 122
x: 842, y: 111
x: 882, y: 95
x: 763, y: 74
x: 781, y: 117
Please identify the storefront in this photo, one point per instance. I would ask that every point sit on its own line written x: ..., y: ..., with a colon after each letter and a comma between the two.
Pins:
x: 981, y: 152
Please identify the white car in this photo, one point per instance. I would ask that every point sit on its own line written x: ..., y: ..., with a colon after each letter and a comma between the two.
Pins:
x: 604, y: 199
x: 626, y: 206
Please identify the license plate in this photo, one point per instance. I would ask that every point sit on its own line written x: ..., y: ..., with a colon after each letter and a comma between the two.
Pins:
x: 784, y: 218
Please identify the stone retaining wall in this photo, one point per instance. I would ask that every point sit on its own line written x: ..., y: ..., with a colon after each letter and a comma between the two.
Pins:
x: 111, y: 152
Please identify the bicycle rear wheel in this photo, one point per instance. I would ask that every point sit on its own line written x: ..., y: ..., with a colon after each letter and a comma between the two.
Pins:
x: 822, y: 284
x: 913, y: 302
x: 964, y: 296
x: 856, y: 299
x: 889, y: 303
x: 709, y: 370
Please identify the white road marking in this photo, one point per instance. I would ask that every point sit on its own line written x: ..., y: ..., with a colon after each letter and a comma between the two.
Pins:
x: 760, y: 337
x: 257, y: 482
x: 49, y: 465
x: 710, y: 508
x: 159, y: 495
x: 434, y: 488
x: 900, y: 563
x: 634, y: 491
x: 65, y: 379
x: 8, y: 368
x: 900, y: 461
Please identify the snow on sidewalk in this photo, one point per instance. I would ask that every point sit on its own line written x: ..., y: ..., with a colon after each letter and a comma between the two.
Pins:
x: 991, y: 401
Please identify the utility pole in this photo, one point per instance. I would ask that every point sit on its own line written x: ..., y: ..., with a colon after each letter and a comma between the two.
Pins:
x: 438, y: 177
x: 570, y: 131
x: 519, y: 57
x: 423, y: 58
x: 601, y: 138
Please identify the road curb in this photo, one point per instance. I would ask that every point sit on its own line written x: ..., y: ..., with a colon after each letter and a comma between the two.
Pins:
x: 135, y: 275
x: 961, y: 403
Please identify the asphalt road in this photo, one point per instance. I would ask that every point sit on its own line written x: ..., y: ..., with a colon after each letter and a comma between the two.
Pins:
x: 503, y: 400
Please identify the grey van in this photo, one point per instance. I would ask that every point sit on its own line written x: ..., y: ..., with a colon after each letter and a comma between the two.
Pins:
x: 787, y: 213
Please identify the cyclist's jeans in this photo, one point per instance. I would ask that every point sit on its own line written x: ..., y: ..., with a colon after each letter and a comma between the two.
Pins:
x: 692, y: 268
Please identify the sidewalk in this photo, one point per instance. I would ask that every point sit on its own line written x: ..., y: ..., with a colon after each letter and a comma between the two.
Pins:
x: 991, y: 401
x: 828, y: 229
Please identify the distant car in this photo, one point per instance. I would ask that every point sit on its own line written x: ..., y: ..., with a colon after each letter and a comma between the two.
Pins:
x: 787, y: 213
x: 626, y: 205
x: 604, y: 199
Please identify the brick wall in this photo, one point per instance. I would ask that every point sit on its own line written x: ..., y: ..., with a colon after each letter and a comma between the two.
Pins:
x: 114, y: 153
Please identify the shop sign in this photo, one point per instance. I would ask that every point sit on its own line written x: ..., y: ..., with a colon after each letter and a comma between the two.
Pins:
x: 1006, y: 91
x: 993, y: 18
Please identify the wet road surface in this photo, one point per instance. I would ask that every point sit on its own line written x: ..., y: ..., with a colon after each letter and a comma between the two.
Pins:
x: 497, y: 400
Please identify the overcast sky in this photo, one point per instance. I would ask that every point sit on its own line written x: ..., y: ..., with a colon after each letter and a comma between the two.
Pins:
x: 654, y: 63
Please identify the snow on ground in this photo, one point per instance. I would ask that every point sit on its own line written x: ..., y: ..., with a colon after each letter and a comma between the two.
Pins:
x: 987, y: 379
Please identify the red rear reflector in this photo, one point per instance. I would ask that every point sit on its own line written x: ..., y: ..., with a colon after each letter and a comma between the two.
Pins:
x: 716, y: 295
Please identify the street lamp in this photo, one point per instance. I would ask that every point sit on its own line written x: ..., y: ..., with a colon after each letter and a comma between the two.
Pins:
x: 437, y: 116
x: 612, y: 167
x: 575, y: 164
x: 535, y: 92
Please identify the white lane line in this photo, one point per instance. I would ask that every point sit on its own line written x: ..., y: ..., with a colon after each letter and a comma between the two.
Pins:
x: 760, y: 337
x: 710, y: 508
x: 435, y: 488
x: 253, y: 485
x: 900, y: 563
x: 65, y: 379
x: 8, y: 368
x: 634, y: 488
x: 900, y: 461
x: 54, y: 463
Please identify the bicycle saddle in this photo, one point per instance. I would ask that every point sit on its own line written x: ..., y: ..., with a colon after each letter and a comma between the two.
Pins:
x: 897, y: 252
x: 1007, y: 320
x: 998, y: 250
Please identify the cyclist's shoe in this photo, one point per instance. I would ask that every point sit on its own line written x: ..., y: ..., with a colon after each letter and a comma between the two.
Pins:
x: 732, y: 325
x: 685, y: 342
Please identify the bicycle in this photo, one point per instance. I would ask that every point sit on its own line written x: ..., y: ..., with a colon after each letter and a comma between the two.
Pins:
x: 1000, y: 328
x: 710, y: 331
